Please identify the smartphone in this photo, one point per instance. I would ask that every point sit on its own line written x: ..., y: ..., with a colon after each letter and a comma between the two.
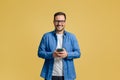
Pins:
x: 59, y: 50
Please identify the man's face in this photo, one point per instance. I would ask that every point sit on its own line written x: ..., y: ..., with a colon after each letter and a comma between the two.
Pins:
x: 59, y: 23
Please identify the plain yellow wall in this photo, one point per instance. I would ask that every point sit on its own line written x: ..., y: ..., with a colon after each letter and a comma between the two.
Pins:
x: 96, y: 24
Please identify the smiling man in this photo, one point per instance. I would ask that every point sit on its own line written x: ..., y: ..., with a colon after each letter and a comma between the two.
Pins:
x: 59, y: 48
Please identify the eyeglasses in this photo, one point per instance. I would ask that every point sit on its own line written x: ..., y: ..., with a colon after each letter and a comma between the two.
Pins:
x: 59, y: 21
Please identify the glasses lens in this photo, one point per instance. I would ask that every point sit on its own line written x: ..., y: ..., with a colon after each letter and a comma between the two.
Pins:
x: 61, y: 21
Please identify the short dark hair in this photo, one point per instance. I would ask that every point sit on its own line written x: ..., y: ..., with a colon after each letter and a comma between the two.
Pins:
x: 59, y: 13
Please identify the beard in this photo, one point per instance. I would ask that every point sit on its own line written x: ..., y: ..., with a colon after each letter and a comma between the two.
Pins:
x: 59, y: 29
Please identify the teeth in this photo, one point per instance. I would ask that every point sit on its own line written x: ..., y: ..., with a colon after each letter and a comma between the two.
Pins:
x: 59, y: 26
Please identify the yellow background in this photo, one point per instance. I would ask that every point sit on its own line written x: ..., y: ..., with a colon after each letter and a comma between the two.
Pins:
x: 96, y: 24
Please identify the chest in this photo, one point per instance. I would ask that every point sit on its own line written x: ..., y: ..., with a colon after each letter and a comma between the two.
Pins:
x: 65, y: 42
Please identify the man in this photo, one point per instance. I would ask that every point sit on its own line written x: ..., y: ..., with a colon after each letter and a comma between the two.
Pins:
x: 59, y: 48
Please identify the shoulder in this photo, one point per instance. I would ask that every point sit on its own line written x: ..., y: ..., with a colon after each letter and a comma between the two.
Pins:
x: 69, y: 34
x: 48, y: 34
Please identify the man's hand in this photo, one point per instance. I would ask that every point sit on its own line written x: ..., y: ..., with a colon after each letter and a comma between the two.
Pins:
x: 55, y: 54
x: 62, y: 54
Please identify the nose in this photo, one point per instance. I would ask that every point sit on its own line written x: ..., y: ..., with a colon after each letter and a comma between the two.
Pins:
x: 59, y: 23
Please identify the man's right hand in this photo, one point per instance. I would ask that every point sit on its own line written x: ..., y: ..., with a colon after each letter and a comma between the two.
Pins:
x: 55, y: 54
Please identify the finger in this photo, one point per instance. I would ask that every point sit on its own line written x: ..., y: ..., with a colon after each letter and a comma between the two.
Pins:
x: 61, y: 52
x: 63, y: 48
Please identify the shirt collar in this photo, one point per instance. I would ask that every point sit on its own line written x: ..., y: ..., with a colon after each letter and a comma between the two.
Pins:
x: 54, y: 32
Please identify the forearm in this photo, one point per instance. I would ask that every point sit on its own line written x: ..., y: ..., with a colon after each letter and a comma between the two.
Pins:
x: 74, y: 54
x: 45, y: 55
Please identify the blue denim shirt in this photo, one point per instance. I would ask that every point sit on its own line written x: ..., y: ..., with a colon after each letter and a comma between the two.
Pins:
x: 47, y: 47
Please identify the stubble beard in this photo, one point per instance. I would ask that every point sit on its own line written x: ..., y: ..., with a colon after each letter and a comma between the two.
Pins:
x: 60, y: 30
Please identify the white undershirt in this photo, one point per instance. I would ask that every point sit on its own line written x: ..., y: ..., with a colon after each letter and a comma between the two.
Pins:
x: 58, y: 65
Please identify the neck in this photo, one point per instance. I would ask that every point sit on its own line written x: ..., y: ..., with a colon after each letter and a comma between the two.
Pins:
x: 60, y: 32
